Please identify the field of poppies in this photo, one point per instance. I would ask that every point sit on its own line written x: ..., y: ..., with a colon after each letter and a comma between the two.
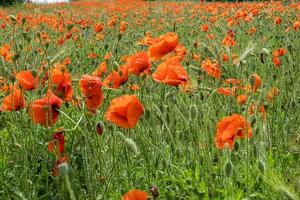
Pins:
x: 139, y: 100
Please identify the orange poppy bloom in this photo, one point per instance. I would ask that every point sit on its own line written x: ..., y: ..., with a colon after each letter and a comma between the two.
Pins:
x: 212, y: 69
x: 256, y: 82
x: 231, y: 127
x: 91, y: 88
x: 228, y: 41
x: 227, y: 91
x: 61, y: 82
x: 241, y: 99
x: 98, y: 28
x: 123, y: 27
x: 225, y: 57
x: 107, y: 56
x: 43, y: 111
x: 180, y: 50
x: 277, y: 20
x: 100, y: 70
x: 6, y: 53
x: 296, y: 25
x: 139, y: 63
x: 117, y: 78
x: 26, y: 80
x: 148, y: 40
x: 261, y: 110
x: 204, y: 27
x: 135, y: 195
x: 125, y: 111
x: 15, y: 100
x: 272, y: 93
x: 276, y: 61
x: 232, y: 81
x: 171, y: 72
x: 166, y: 44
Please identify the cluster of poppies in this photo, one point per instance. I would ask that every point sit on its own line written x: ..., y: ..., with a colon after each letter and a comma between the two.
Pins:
x: 52, y: 86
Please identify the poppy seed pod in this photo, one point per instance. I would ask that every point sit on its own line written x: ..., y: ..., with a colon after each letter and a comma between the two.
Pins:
x: 228, y: 168
x: 265, y: 51
x: 131, y: 145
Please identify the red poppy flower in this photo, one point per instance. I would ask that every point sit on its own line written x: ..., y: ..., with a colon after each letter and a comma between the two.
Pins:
x: 43, y: 111
x: 14, y: 101
x: 166, y: 44
x: 125, y: 111
x: 139, y: 63
x: 98, y: 28
x: 117, y: 78
x: 91, y: 88
x: 61, y: 82
x: 26, y: 80
x: 171, y: 72
x: 231, y: 127
x: 135, y: 195
x: 58, y: 141
x: 212, y: 69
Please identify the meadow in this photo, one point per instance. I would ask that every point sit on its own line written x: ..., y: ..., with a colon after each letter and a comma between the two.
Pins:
x: 139, y: 100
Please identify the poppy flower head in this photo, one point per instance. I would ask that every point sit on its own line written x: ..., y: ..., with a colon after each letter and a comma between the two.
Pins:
x: 256, y: 82
x: 44, y: 111
x: 230, y: 128
x: 98, y: 28
x: 91, y: 88
x: 14, y: 101
x: 61, y: 82
x: 166, y: 44
x: 125, y: 111
x: 117, y: 78
x: 6, y: 53
x: 171, y: 72
x: 135, y: 195
x: 26, y: 80
x: 58, y: 142
x: 212, y: 69
x: 139, y: 63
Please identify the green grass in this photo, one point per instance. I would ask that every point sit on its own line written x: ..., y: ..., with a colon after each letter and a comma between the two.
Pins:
x: 175, y: 136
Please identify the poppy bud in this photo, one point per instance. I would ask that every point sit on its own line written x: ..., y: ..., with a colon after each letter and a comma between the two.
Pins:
x: 54, y: 87
x: 64, y: 169
x: 193, y: 112
x: 34, y: 73
x: 23, y: 20
x: 131, y: 145
x: 13, y: 18
x: 99, y: 128
x: 154, y: 192
x: 265, y: 51
x: 228, y: 167
x: 236, y: 145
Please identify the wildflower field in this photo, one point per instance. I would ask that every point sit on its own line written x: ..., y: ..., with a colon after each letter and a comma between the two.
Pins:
x: 139, y: 100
